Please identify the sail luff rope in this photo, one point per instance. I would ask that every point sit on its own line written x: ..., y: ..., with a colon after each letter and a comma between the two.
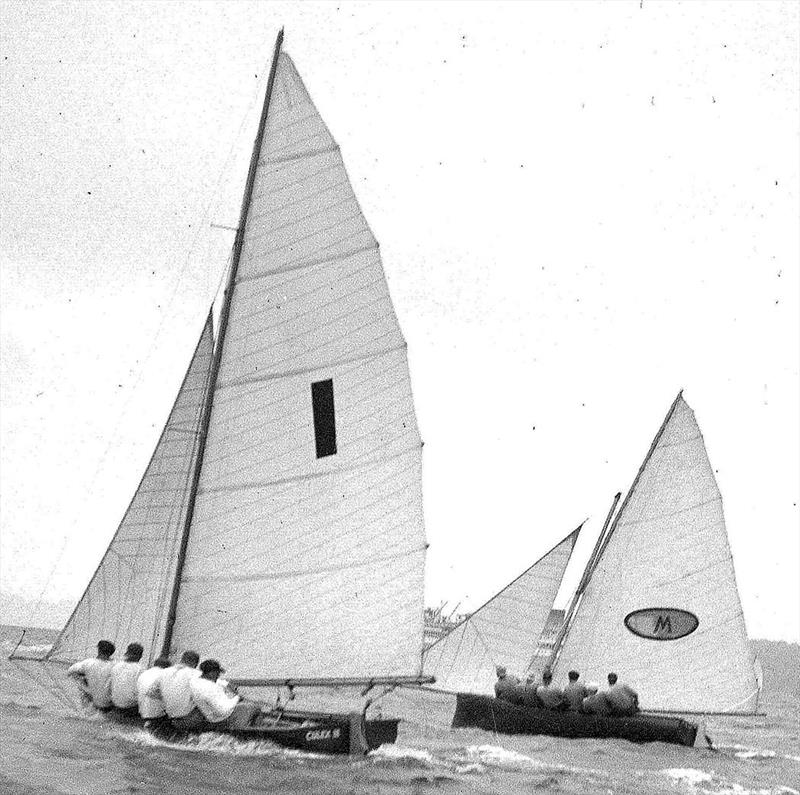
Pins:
x: 583, y: 582
x: 223, y: 323
x: 604, y: 545
x: 636, y: 480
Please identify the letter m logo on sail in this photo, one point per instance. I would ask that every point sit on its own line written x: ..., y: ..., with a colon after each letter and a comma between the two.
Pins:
x: 661, y: 623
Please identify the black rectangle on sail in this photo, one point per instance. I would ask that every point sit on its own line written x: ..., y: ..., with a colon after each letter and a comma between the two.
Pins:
x: 324, y: 417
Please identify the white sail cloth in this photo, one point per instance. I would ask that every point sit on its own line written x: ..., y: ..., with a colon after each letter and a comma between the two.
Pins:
x: 505, y: 630
x: 668, y: 548
x: 128, y: 597
x: 297, y: 565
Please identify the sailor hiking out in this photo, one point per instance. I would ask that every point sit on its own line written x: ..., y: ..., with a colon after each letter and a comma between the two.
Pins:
x: 151, y: 705
x: 124, y: 676
x: 93, y: 675
x: 214, y: 705
x: 190, y: 698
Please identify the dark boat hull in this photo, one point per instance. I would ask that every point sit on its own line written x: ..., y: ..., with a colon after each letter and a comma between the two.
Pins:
x: 314, y: 732
x: 496, y: 715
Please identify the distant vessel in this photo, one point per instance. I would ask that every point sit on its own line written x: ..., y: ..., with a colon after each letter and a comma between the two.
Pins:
x: 657, y: 604
x: 278, y: 526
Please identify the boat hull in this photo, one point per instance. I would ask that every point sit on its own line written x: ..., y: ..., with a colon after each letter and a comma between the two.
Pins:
x: 314, y: 732
x: 496, y: 715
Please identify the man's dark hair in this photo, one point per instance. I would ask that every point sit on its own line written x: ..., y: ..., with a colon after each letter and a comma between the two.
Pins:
x: 547, y: 677
x: 106, y: 648
x: 190, y: 658
x: 612, y: 678
x: 161, y: 662
x: 209, y: 666
x: 573, y: 676
x: 134, y: 652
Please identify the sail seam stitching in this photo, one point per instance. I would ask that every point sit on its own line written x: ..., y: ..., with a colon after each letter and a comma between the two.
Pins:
x: 278, y: 161
x: 263, y: 577
x: 308, y: 264
x: 295, y: 478
x: 311, y: 369
x: 672, y: 513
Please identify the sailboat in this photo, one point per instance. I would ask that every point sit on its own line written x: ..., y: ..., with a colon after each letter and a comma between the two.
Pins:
x: 657, y: 604
x: 278, y: 526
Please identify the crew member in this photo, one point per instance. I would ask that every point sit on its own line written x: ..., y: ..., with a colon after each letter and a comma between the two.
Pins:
x: 221, y: 710
x: 528, y: 697
x: 622, y: 700
x: 151, y: 707
x: 124, y: 676
x: 506, y: 686
x: 552, y: 697
x: 575, y: 692
x: 173, y: 686
x: 595, y: 703
x: 94, y: 675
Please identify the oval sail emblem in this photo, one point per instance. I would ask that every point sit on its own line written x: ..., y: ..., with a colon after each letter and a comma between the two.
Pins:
x: 662, y: 623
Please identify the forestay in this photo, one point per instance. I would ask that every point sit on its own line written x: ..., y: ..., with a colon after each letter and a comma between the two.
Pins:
x: 128, y: 595
x: 505, y: 630
x: 668, y: 548
x: 306, y: 550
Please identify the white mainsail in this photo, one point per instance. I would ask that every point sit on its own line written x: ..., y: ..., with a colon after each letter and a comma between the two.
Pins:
x: 504, y: 631
x: 668, y: 549
x: 306, y: 549
x: 128, y: 595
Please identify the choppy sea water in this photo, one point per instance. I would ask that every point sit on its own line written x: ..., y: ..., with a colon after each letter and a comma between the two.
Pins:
x: 49, y: 745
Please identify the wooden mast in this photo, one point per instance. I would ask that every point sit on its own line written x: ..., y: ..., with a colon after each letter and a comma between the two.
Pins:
x: 584, y: 581
x: 605, y: 536
x: 215, y: 366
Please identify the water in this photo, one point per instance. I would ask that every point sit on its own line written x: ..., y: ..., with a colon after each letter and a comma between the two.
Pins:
x: 50, y: 746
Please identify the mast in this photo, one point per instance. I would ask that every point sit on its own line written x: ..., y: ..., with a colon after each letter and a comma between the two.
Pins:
x: 635, y: 483
x: 223, y: 325
x: 605, y: 537
x: 584, y: 581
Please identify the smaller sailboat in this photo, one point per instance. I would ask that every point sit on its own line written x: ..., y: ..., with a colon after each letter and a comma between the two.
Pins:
x: 657, y: 604
x: 278, y: 526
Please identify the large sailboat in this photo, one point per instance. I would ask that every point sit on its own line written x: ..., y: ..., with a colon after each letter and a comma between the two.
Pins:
x: 657, y: 604
x: 278, y: 526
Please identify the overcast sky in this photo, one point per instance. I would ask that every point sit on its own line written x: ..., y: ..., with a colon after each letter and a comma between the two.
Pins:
x: 582, y: 208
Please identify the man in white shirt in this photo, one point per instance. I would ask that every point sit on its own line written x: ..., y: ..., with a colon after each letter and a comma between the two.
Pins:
x: 94, y: 675
x: 124, y: 676
x: 173, y: 686
x: 221, y: 710
x: 622, y: 699
x: 151, y: 707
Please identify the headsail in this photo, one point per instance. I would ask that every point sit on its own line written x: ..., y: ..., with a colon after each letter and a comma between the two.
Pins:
x: 667, y: 556
x: 306, y: 549
x: 127, y: 597
x: 504, y: 630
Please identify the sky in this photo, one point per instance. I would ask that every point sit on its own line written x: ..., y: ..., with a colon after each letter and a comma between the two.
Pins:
x: 582, y: 208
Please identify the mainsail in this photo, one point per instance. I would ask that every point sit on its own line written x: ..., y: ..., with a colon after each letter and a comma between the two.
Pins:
x: 279, y: 525
x: 128, y: 595
x: 504, y: 631
x: 305, y: 554
x: 666, y: 556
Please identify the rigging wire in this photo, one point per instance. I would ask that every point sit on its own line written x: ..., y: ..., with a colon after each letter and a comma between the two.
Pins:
x: 152, y: 346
